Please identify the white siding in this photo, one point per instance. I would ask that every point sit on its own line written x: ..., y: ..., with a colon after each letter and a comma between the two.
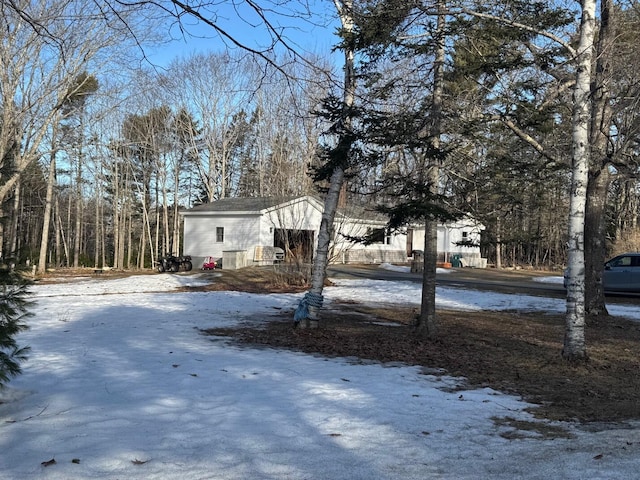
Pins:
x: 392, y: 249
x: 449, y: 237
x: 244, y: 231
x: 299, y: 215
x: 240, y: 233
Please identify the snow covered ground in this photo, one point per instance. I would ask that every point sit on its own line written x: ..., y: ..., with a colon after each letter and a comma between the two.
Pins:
x: 120, y: 384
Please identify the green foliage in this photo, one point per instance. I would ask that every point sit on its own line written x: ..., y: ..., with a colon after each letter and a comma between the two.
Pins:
x: 13, y: 311
x: 84, y: 85
x: 348, y: 151
x: 377, y: 22
x: 418, y: 204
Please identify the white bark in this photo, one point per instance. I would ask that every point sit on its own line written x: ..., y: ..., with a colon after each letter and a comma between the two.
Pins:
x: 345, y: 11
x: 574, y: 341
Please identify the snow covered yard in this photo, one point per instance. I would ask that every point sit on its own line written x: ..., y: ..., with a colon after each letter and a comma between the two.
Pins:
x: 120, y: 384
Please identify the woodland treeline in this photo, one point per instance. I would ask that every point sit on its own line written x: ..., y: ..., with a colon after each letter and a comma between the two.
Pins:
x: 100, y: 149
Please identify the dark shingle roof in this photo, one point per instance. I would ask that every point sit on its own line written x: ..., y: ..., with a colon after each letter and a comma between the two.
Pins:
x: 246, y: 204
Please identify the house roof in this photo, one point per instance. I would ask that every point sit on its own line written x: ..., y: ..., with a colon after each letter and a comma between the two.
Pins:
x: 259, y: 205
x: 246, y: 205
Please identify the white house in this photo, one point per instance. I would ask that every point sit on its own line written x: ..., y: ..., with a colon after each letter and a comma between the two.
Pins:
x: 256, y: 231
x: 458, y: 242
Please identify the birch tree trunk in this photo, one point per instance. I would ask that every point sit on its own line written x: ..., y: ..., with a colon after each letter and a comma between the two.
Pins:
x: 319, y: 273
x: 574, y: 348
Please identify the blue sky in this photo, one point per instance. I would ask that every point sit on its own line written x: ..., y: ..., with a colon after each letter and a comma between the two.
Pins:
x: 311, y: 31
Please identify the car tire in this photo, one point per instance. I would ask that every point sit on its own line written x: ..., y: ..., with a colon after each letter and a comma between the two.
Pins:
x: 188, y: 266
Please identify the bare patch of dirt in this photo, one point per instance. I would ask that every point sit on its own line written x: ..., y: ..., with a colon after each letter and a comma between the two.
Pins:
x: 271, y: 279
x: 512, y: 352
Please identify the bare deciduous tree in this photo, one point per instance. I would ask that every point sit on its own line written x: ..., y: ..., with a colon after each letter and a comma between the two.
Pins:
x: 47, y: 46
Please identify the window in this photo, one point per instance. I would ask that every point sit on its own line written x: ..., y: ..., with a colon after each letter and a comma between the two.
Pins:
x: 379, y: 235
x: 622, y: 262
x: 220, y: 234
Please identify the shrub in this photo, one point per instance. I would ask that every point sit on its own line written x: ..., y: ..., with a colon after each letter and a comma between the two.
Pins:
x: 13, y: 311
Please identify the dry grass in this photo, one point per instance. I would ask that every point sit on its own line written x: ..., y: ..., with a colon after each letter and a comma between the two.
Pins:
x: 508, y: 351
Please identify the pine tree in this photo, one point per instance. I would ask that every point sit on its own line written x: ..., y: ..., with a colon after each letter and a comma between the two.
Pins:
x: 13, y: 311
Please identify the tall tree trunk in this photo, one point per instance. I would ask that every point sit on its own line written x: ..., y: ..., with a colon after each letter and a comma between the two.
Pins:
x: 65, y: 247
x: 58, y: 231
x: 498, y: 243
x: 96, y: 252
x: 117, y: 208
x: 167, y: 239
x: 46, y: 219
x: 129, y: 219
x: 595, y: 247
x: 600, y: 177
x: 175, y: 239
x: 13, y: 239
x: 69, y: 259
x: 79, y: 210
x: 2, y: 232
x: 319, y: 273
x: 427, y: 321
x: 574, y: 339
x: 103, y: 240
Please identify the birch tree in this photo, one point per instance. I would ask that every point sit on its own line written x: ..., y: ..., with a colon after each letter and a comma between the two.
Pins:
x: 574, y: 340
x: 337, y: 162
x: 582, y: 116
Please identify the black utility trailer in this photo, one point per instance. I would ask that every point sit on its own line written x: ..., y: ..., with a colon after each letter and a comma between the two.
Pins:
x: 172, y: 263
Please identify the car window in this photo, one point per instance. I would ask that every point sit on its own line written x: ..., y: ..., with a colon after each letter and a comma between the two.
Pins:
x: 621, y: 262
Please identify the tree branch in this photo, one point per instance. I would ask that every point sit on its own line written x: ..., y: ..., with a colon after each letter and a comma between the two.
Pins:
x: 528, y: 28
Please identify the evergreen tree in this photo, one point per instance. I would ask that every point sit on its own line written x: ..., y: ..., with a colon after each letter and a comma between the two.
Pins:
x: 13, y: 312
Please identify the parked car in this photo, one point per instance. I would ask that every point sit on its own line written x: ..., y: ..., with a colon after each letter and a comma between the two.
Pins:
x: 621, y: 273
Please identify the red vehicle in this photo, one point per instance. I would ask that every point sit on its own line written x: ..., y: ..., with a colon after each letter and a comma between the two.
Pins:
x: 209, y: 264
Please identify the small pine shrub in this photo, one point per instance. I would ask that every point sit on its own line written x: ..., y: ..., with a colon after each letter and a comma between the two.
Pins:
x: 13, y: 312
